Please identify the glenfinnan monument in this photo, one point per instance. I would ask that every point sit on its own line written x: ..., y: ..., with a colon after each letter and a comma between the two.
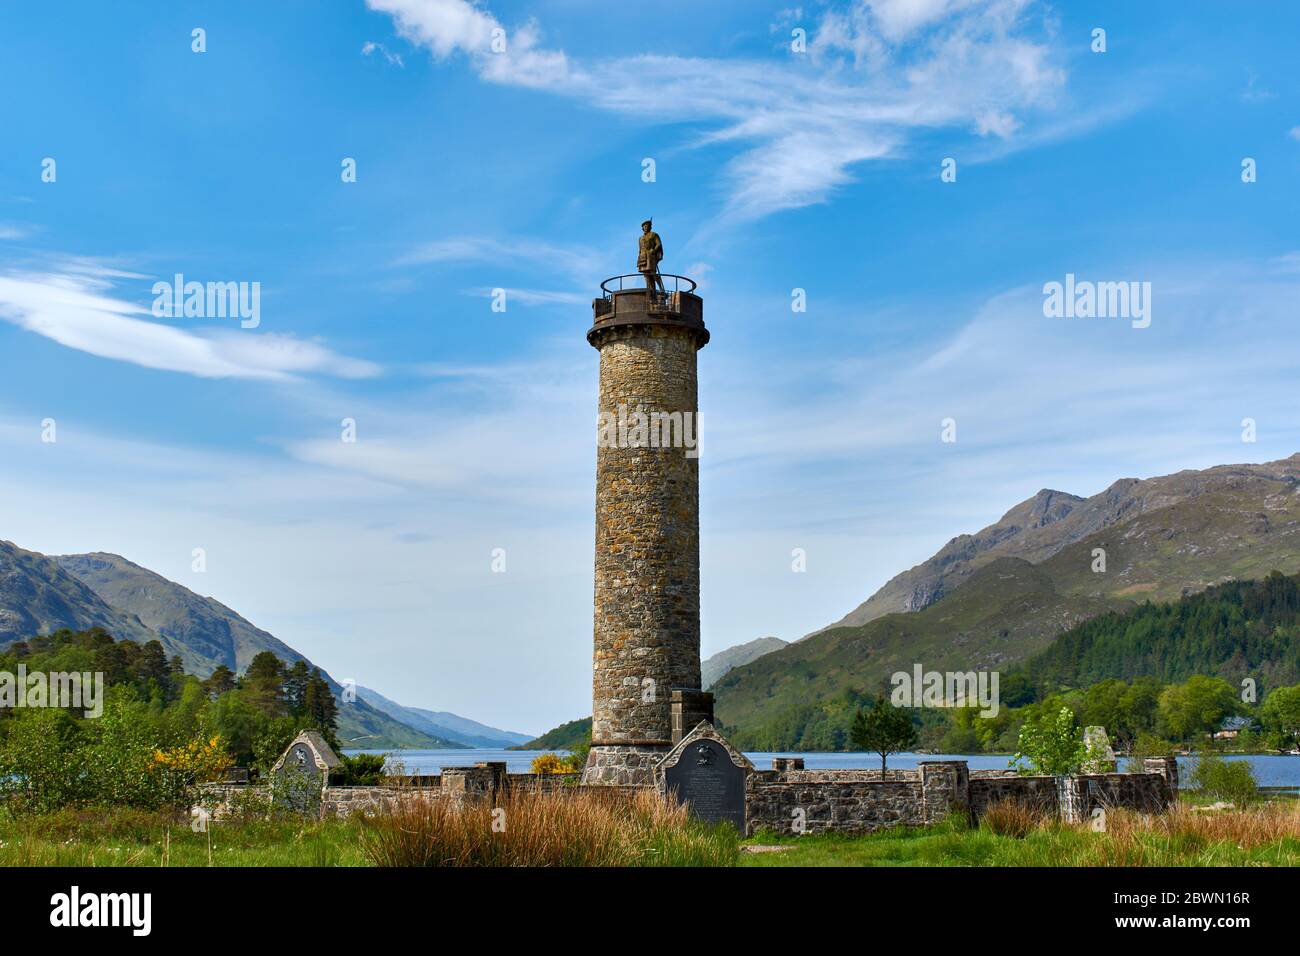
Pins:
x: 646, y: 665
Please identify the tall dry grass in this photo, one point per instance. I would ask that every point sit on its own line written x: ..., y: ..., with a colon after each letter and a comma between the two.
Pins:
x: 1014, y: 818
x: 530, y: 828
x: 1247, y: 828
x: 1182, y: 836
x: 1267, y: 834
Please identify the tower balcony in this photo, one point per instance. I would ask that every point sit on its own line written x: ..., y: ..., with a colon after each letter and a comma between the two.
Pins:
x: 626, y: 301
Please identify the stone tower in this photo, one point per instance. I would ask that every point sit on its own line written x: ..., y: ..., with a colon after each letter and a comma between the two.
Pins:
x: 646, y: 662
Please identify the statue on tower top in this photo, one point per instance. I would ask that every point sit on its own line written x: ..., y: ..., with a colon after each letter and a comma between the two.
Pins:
x: 649, y: 252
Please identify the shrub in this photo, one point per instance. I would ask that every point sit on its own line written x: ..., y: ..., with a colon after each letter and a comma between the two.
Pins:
x: 1149, y: 745
x: 39, y: 767
x: 183, y: 768
x: 49, y: 761
x: 1231, y: 780
x: 359, y: 770
x: 295, y: 790
x: 550, y: 763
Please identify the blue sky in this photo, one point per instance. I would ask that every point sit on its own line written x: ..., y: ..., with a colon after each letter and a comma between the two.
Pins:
x: 521, y: 170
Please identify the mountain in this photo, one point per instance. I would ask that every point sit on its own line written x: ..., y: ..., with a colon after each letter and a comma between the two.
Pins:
x: 366, y: 728
x: 714, y: 667
x: 217, y: 635
x: 1043, y: 525
x: 460, y: 730
x: 37, y: 596
x: 991, y: 600
x: 41, y: 594
x: 205, y: 626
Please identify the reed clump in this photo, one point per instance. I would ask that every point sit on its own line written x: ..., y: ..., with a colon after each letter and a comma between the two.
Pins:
x: 533, y: 828
x: 1014, y: 818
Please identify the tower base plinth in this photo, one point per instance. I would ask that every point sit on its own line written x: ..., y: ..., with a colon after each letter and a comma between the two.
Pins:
x: 623, y: 766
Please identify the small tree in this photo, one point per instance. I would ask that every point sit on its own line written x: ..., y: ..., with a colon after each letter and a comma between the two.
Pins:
x: 1050, y: 744
x: 883, y: 729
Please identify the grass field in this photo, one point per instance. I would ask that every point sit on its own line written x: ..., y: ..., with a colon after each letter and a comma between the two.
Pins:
x: 1265, y: 835
x: 132, y: 838
x: 1182, y: 838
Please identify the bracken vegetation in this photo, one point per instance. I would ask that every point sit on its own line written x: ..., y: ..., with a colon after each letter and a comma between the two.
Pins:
x: 539, y: 829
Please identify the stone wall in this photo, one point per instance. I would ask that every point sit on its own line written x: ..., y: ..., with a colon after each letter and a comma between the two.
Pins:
x: 794, y: 800
x: 1075, y: 798
x: 785, y: 807
x: 787, y: 799
x: 1037, y: 792
x: 345, y: 801
x: 455, y: 783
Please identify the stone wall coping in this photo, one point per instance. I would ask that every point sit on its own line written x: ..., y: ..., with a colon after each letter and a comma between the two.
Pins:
x: 759, y: 781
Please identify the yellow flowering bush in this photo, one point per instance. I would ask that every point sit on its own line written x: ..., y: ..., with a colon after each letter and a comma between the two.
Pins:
x: 550, y: 763
x: 194, y: 762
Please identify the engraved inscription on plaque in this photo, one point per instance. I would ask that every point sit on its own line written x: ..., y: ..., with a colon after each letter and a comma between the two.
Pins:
x: 712, y: 787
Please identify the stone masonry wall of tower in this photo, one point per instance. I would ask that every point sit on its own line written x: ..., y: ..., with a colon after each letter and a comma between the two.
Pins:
x: 647, y: 567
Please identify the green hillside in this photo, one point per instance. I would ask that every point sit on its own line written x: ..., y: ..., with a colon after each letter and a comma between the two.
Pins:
x: 1235, y: 630
x: 1006, y: 611
x: 803, y: 695
x: 564, y: 737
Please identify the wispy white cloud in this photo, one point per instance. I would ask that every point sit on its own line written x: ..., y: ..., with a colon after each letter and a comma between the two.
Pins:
x: 469, y: 433
x: 577, y: 266
x: 1033, y: 395
x: 458, y: 26
x: 74, y: 307
x: 876, y: 70
x: 578, y: 263
x: 1255, y: 91
x: 370, y: 47
x: 534, y: 296
x: 898, y: 19
x: 9, y: 230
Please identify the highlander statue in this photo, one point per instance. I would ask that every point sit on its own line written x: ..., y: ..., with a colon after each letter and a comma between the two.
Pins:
x: 649, y: 251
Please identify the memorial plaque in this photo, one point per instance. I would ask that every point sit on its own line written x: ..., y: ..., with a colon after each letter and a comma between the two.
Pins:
x: 705, y: 779
x: 298, y: 781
